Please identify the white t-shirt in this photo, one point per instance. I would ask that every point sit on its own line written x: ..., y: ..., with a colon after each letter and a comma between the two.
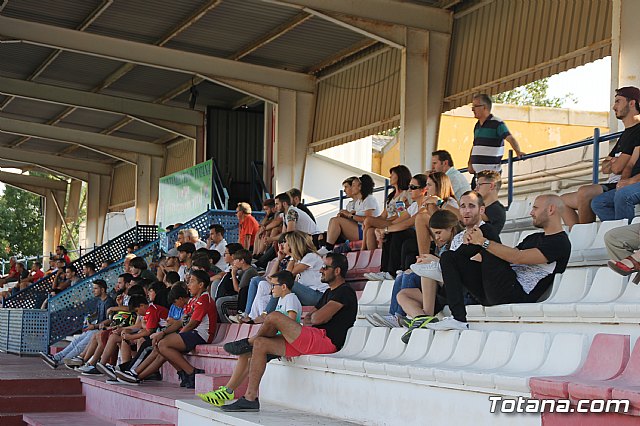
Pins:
x: 200, y: 244
x: 413, y: 209
x: 458, y: 239
x: 220, y: 248
x: 303, y: 222
x: 288, y: 303
x: 310, y: 277
x: 361, y: 206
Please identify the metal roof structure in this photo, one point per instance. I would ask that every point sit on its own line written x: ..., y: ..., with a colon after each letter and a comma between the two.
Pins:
x: 265, y: 33
x: 125, y: 68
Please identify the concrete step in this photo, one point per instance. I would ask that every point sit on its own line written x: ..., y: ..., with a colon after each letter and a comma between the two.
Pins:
x: 41, y: 403
x: 11, y: 419
x: 65, y: 419
x: 198, y: 413
x: 61, y: 386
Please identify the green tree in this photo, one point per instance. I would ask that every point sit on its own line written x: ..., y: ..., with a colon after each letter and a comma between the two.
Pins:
x: 72, y: 239
x: 534, y: 94
x: 21, y: 227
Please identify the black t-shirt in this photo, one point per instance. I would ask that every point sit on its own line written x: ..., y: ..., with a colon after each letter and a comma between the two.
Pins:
x: 497, y: 215
x: 556, y: 248
x: 629, y: 140
x: 344, y: 319
x: 225, y: 288
x: 305, y: 209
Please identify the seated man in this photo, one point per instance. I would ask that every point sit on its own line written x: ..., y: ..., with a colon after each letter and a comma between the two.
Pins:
x: 248, y: 226
x: 89, y: 269
x: 35, y: 274
x: 488, y: 183
x: 508, y: 275
x: 12, y: 276
x: 324, y: 330
x: 77, y: 345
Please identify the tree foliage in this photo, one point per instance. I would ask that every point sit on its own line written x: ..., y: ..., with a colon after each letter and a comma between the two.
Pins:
x: 21, y: 227
x: 534, y: 94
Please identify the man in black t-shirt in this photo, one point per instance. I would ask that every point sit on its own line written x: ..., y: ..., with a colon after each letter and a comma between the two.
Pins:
x: 488, y: 183
x: 619, y: 202
x: 324, y: 330
x: 578, y: 204
x: 509, y: 275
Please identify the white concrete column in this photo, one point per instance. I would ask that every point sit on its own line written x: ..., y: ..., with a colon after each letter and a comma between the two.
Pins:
x: 293, y: 133
x: 93, y: 234
x: 424, y: 66
x: 625, y: 50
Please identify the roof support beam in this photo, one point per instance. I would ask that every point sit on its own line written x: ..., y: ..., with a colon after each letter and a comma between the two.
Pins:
x: 97, y: 102
x: 87, y: 139
x: 392, y: 12
x: 153, y: 56
x: 54, y: 161
x: 15, y: 178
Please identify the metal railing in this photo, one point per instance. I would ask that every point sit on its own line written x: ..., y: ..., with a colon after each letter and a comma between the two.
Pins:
x: 220, y: 195
x: 113, y: 250
x: 259, y: 190
x: 595, y: 141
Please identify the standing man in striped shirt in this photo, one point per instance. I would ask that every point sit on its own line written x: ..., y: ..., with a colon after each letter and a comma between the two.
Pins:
x: 489, y: 135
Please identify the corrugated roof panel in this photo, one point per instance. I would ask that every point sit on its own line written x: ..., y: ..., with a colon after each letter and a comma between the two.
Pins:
x: 150, y: 83
x: 79, y: 71
x: 304, y: 46
x: 61, y: 13
x: 508, y: 44
x: 142, y: 20
x: 180, y: 156
x: 87, y: 154
x: 91, y: 118
x: 7, y: 139
x: 84, y: 127
x: 140, y: 131
x: 123, y: 191
x: 43, y: 145
x: 232, y: 25
x: 26, y: 109
x: 19, y: 60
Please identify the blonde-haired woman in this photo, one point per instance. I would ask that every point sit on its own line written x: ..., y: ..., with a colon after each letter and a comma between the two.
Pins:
x: 305, y: 265
x: 440, y: 196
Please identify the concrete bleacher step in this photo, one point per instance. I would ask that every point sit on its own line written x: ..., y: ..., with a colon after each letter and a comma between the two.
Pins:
x: 199, y: 413
x: 65, y: 419
x: 149, y: 400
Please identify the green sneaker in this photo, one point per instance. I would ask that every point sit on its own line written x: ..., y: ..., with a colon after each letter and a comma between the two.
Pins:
x: 418, y: 322
x: 217, y: 397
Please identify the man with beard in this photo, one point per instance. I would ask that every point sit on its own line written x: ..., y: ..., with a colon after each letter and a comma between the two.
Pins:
x: 324, y: 330
x: 578, y: 203
x: 508, y: 275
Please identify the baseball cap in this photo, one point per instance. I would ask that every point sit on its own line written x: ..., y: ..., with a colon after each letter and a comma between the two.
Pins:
x: 629, y: 92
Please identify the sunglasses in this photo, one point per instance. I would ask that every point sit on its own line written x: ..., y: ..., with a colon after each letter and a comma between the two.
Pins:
x: 415, y: 187
x: 325, y: 267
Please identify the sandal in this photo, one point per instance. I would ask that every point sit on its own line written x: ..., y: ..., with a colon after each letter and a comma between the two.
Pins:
x: 624, y: 270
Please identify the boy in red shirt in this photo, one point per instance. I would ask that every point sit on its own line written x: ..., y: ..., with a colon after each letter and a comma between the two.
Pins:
x: 198, y: 327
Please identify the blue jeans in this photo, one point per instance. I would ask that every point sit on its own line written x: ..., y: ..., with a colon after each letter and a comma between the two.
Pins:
x: 307, y: 296
x: 617, y: 203
x: 406, y: 280
x: 253, y: 290
x: 76, y: 346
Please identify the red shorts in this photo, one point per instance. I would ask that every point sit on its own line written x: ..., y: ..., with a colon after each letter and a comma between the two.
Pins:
x: 311, y: 341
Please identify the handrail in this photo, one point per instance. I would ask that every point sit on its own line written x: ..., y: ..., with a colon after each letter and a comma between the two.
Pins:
x: 592, y: 140
x: 259, y: 190
x: 342, y: 197
x: 220, y: 195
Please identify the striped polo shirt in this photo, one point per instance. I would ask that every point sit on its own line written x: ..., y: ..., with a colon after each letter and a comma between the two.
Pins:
x: 488, y: 144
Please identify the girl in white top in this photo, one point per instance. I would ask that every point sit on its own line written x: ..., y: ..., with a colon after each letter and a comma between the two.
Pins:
x: 348, y: 222
x: 440, y: 196
x: 397, y: 202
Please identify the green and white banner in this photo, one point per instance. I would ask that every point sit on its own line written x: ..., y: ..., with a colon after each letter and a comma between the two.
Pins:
x: 185, y: 194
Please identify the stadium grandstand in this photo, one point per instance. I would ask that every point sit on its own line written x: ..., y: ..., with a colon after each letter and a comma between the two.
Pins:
x: 222, y: 285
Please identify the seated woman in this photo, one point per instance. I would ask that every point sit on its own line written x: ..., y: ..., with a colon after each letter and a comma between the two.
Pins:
x: 418, y: 301
x: 399, y: 247
x: 348, y: 223
x: 397, y: 201
x: 305, y: 263
x: 440, y: 197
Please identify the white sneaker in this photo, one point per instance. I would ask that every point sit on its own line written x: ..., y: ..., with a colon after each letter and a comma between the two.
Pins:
x: 374, y: 321
x: 391, y: 321
x: 324, y: 251
x: 85, y: 368
x: 428, y: 270
x: 448, y: 323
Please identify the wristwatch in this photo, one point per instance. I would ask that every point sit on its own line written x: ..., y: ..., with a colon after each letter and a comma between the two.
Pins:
x: 485, y: 244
